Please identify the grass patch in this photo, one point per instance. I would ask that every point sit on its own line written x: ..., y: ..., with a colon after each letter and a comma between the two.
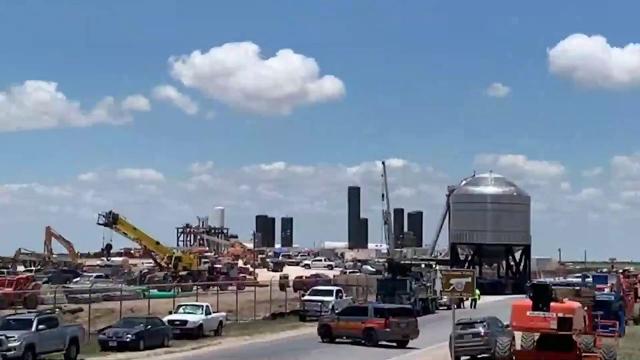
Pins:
x: 630, y: 344
x: 249, y: 328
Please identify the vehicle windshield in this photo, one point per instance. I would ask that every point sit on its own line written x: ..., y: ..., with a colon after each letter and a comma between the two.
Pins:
x: 16, y: 324
x: 401, y: 312
x: 130, y: 323
x: 190, y: 309
x: 469, y: 326
x: 320, y: 293
x: 286, y: 256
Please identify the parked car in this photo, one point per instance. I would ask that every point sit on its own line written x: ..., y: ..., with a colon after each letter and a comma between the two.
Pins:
x: 92, y: 278
x: 289, y: 259
x: 444, y: 303
x: 135, y: 333
x: 350, y: 272
x: 30, y: 335
x: 60, y: 276
x: 371, y: 323
x: 305, y: 283
x: 196, y: 319
x: 322, y: 300
x: 318, y: 263
x: 479, y: 336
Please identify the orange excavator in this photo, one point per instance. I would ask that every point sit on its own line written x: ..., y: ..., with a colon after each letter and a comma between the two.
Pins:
x: 49, y: 235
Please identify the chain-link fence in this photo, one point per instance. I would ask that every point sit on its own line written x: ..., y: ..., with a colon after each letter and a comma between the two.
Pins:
x: 99, y: 305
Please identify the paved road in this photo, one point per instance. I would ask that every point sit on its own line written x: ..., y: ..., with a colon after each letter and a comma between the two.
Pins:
x: 434, y: 329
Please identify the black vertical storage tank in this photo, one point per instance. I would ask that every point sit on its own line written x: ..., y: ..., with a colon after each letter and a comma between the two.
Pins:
x: 261, y: 230
x: 414, y: 225
x: 353, y: 217
x: 398, y: 227
x: 286, y: 232
x: 364, y: 233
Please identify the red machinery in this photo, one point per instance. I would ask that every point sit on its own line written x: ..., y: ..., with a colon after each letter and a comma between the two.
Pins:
x: 557, y: 324
x: 19, y: 290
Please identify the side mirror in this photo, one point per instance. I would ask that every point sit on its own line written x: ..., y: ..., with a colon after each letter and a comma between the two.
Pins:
x: 507, y: 326
x: 41, y: 328
x: 170, y: 312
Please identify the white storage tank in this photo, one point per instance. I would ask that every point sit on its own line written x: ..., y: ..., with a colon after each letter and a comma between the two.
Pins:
x: 218, y: 217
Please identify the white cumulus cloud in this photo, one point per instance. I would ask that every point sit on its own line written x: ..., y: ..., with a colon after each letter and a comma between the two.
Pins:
x: 201, y: 167
x: 238, y: 75
x: 498, y: 90
x: 521, y: 167
x: 592, y: 172
x: 88, y: 176
x: 591, y: 61
x: 171, y: 94
x: 136, y: 102
x: 37, y: 104
x: 141, y: 174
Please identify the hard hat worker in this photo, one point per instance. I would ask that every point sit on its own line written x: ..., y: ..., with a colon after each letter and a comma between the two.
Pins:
x: 474, y: 299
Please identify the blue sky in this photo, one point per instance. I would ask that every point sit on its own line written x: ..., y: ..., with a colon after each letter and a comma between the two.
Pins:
x: 414, y: 86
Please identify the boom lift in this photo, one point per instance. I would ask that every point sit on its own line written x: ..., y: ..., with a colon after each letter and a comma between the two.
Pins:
x: 49, y: 235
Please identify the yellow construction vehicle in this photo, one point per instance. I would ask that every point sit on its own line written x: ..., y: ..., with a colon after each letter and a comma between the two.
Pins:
x: 185, y: 267
x: 49, y: 235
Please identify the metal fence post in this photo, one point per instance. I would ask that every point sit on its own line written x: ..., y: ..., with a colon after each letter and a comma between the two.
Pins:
x: 286, y: 299
x: 270, y: 296
x: 197, y: 290
x: 149, y: 300
x: 55, y: 297
x: 255, y: 302
x: 237, y: 308
x: 89, y: 317
x: 218, y: 297
x: 173, y: 298
x: 121, y: 289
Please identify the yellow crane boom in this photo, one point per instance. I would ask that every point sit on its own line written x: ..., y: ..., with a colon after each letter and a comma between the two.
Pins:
x: 170, y: 258
x: 49, y: 235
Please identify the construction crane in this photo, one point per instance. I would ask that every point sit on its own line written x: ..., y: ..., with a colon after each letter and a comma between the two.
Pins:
x: 49, y: 235
x: 168, y: 257
x: 386, y: 211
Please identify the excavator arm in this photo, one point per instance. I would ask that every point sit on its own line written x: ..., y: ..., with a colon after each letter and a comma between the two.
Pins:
x: 169, y: 257
x: 49, y: 235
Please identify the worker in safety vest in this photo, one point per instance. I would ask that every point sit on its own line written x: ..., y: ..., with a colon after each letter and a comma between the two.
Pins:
x: 474, y: 299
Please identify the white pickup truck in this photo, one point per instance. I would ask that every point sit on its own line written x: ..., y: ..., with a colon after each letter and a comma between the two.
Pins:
x: 196, y: 319
x: 323, y: 300
x: 319, y: 263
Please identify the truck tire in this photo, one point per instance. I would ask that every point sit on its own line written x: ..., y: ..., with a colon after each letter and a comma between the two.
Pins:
x: 370, y: 337
x: 4, y: 303
x: 141, y: 345
x: 504, y: 348
x: 329, y: 267
x: 302, y: 318
x: 402, y: 344
x: 218, y: 330
x: 528, y: 341
x: 587, y: 343
x: 72, y: 350
x: 307, y: 266
x: 29, y: 353
x: 608, y: 352
x: 326, y: 334
x: 199, y: 332
x: 166, y: 342
x: 30, y: 301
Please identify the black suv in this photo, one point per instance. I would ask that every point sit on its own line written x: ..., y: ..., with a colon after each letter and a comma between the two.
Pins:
x: 483, y: 336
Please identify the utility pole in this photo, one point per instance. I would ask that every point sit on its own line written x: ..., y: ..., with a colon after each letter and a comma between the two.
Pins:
x: 559, y: 255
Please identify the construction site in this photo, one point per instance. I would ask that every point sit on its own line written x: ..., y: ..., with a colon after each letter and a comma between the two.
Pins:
x: 565, y: 309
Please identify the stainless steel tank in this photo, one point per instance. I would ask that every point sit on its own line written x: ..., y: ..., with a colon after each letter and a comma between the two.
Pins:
x: 490, y: 209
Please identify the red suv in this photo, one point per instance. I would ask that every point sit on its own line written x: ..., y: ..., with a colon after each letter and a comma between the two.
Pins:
x: 371, y: 323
